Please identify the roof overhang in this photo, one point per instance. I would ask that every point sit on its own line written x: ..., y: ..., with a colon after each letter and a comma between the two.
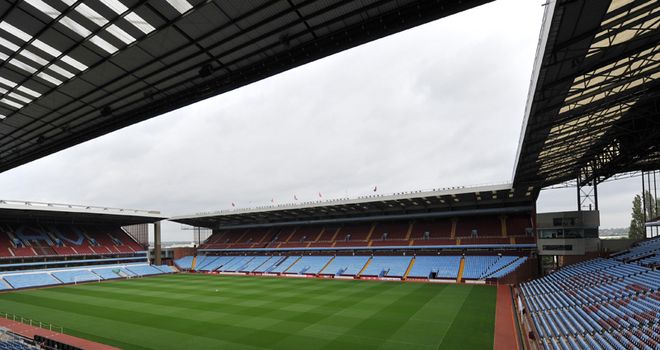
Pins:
x: 73, y: 70
x: 457, y: 201
x: 22, y: 211
x: 593, y: 104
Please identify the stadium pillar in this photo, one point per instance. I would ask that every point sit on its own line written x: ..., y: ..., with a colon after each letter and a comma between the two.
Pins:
x: 157, y: 243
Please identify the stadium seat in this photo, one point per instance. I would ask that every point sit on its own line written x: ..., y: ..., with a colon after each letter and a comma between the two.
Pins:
x: 387, y: 266
x: 31, y: 279
x: 346, y: 265
x: 143, y: 270
x: 309, y: 265
x: 75, y: 276
x: 600, y: 303
x: 436, y: 266
x: 184, y: 263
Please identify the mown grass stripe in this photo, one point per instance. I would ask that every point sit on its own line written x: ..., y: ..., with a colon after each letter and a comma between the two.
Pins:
x: 251, y: 313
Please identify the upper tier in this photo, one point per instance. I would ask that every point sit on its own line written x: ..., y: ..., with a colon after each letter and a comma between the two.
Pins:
x: 29, y: 240
x: 487, y: 229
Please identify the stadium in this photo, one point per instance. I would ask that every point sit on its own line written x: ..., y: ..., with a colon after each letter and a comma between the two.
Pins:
x: 468, y: 267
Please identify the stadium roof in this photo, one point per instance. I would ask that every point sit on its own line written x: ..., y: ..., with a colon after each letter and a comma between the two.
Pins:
x: 593, y: 104
x: 11, y: 210
x: 72, y: 70
x: 434, y: 203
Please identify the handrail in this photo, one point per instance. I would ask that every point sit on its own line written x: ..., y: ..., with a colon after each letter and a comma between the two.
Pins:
x: 33, y: 323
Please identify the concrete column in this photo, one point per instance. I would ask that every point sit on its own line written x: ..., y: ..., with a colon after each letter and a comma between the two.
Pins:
x: 157, y: 243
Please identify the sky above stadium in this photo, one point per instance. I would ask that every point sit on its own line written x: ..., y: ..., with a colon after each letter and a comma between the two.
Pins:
x: 439, y: 105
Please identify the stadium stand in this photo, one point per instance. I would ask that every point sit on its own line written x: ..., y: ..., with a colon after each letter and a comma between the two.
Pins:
x: 309, y: 265
x: 387, y: 266
x: 75, y: 276
x: 30, y: 279
x: 13, y: 341
x: 284, y: 265
x: 143, y: 270
x: 60, y: 275
x: 253, y: 263
x: 646, y: 253
x: 476, y: 266
x: 601, y: 303
x: 421, y: 267
x: 345, y: 265
x: 29, y: 240
x: 488, y: 230
x: 216, y: 263
x: 270, y: 264
x: 184, y: 263
x: 235, y: 264
x: 435, y: 267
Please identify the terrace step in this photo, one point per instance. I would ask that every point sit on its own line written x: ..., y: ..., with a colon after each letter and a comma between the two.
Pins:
x: 410, y: 266
x: 364, y: 267
x: 461, y: 267
x: 326, y: 265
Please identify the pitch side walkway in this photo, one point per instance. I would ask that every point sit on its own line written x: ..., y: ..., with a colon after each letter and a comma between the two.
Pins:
x: 30, y: 332
x: 505, y: 328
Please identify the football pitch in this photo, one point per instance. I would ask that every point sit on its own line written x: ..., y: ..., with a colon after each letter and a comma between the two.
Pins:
x: 190, y: 311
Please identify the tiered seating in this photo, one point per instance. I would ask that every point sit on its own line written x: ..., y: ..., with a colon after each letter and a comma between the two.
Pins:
x: 325, y: 239
x: 517, y: 225
x: 442, y: 266
x: 387, y: 266
x: 143, y: 270
x: 431, y: 230
x: 284, y: 265
x: 28, y: 280
x: 28, y: 240
x: 423, y: 232
x: 12, y: 341
x: 164, y: 268
x: 76, y: 276
x: 184, y: 263
x: 505, y: 270
x: 235, y: 264
x: 215, y: 263
x: 253, y: 264
x: 476, y: 266
x: 203, y: 261
x: 270, y: 264
x: 390, y: 234
x: 54, y: 276
x: 310, y: 265
x: 346, y: 265
x: 601, y: 303
x: 109, y: 273
x: 646, y: 253
x: 486, y: 226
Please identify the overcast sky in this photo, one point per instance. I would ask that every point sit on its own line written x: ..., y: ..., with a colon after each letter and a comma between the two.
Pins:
x: 436, y: 106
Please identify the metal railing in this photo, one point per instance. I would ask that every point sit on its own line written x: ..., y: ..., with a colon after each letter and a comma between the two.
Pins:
x: 33, y: 323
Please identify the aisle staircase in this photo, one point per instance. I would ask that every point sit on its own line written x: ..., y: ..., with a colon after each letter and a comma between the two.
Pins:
x: 192, y: 266
x: 326, y: 265
x: 460, y: 270
x: 290, y: 266
x: 364, y: 267
x: 412, y: 262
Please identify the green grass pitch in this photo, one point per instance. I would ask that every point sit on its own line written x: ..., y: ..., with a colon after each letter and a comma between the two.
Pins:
x: 188, y: 311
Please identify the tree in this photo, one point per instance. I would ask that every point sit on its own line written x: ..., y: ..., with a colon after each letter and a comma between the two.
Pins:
x: 637, y: 229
